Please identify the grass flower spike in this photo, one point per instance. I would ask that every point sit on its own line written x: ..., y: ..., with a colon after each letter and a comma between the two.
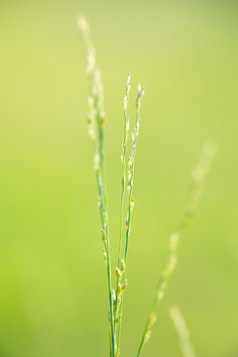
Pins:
x: 198, y: 180
x: 96, y: 131
x: 96, y: 119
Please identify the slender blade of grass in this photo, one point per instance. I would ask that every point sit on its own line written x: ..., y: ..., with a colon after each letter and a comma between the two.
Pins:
x: 96, y: 121
x: 130, y: 179
x: 199, y: 176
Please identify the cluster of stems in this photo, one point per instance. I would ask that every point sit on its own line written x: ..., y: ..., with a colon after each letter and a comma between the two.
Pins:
x: 96, y: 120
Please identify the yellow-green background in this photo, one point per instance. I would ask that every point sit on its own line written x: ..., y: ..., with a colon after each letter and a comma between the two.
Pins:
x: 53, y: 297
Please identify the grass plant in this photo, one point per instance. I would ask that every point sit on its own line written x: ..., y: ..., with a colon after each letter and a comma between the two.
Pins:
x: 96, y: 122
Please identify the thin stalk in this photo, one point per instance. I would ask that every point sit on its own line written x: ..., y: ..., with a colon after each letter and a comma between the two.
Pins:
x: 123, y: 181
x: 96, y: 121
x: 131, y: 171
x: 199, y: 176
x: 124, y: 148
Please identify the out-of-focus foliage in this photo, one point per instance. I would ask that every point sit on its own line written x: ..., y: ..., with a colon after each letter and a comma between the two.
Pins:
x: 186, y: 53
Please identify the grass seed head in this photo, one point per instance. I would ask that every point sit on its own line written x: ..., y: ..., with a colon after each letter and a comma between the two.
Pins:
x: 147, y: 336
x: 123, y: 266
x: 118, y: 319
x: 118, y: 274
x: 124, y: 285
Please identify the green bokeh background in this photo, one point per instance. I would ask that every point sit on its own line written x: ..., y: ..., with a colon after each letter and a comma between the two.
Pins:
x: 53, y: 297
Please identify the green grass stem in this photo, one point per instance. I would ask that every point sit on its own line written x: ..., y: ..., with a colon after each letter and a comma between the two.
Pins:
x: 130, y: 184
x: 199, y: 176
x: 96, y: 121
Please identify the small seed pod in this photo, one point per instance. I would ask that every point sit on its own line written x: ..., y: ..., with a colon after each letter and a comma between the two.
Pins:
x: 103, y: 234
x: 118, y: 301
x: 105, y: 255
x: 102, y: 117
x: 118, y: 274
x: 172, y: 263
x: 119, y: 289
x: 96, y: 161
x: 118, y: 319
x: 129, y: 176
x: 147, y: 336
x: 89, y: 118
x: 160, y: 295
x: 132, y: 204
x: 90, y: 101
x: 124, y: 285
x: 126, y: 221
x: 130, y: 164
x: 128, y: 80
x: 114, y: 299
x: 173, y: 241
x: 123, y: 266
x: 99, y: 201
x: 152, y: 319
x: 133, y: 137
x: 125, y: 102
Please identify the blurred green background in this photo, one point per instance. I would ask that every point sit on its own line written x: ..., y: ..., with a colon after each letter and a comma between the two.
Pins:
x: 53, y: 297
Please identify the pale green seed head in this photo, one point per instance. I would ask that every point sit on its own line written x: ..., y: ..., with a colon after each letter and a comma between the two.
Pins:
x: 118, y: 274
x: 147, y: 336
